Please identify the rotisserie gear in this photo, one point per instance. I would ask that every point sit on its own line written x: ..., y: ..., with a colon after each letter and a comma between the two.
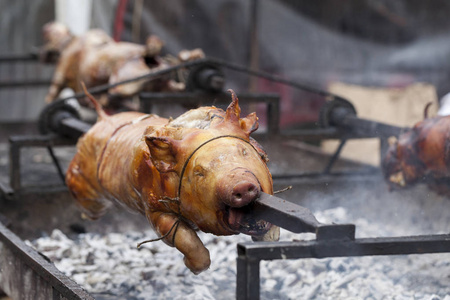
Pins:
x: 421, y: 155
x: 199, y: 171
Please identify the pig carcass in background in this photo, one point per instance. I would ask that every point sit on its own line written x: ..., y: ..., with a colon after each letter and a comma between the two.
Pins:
x: 95, y: 59
x: 199, y: 171
x: 421, y: 155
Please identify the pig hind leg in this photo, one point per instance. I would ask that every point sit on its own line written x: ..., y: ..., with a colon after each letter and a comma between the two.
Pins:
x: 86, y: 194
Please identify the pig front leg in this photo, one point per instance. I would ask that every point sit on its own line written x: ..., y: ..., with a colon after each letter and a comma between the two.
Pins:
x: 55, y: 88
x: 184, y: 238
x: 58, y: 80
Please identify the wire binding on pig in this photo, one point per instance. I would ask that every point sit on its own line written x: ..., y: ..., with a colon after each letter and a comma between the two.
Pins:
x: 166, y: 200
x: 283, y: 190
x: 175, y: 225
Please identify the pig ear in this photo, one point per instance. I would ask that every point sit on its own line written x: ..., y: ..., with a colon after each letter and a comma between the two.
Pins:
x: 162, y: 153
x: 233, y: 111
x: 249, y: 123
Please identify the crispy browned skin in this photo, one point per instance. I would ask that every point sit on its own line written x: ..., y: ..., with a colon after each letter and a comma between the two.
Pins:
x: 95, y: 58
x: 421, y: 155
x: 140, y: 160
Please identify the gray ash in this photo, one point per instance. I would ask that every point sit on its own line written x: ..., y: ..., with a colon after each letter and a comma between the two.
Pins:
x: 111, y: 267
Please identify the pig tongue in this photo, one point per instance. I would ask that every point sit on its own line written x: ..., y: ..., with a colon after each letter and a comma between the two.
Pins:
x: 235, y: 217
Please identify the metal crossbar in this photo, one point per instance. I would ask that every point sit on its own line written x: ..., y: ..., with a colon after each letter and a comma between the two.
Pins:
x: 332, y: 240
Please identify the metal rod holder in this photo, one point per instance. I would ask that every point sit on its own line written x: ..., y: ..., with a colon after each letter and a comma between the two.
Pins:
x: 332, y: 240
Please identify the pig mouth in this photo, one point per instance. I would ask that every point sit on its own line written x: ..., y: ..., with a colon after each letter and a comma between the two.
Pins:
x: 241, y: 220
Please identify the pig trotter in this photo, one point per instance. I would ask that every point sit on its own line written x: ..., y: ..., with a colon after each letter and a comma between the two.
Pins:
x: 178, y: 234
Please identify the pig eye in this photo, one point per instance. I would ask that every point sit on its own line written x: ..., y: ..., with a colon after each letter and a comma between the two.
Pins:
x: 242, y: 150
x: 199, y: 171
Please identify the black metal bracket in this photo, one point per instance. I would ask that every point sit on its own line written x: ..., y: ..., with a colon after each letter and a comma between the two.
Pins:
x: 60, y: 125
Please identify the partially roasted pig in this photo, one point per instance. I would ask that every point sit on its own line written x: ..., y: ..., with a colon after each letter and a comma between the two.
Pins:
x: 95, y: 58
x: 421, y: 155
x: 198, y: 171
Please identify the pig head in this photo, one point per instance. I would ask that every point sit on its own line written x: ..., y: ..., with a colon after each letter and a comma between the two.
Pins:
x: 199, y: 171
x: 221, y: 171
x: 420, y: 155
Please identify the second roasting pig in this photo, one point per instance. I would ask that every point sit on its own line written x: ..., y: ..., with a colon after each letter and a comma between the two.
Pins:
x: 422, y: 154
x: 199, y: 171
x: 95, y: 59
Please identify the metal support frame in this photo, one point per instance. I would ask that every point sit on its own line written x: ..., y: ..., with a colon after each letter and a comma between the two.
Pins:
x: 332, y: 240
x: 14, y: 58
x: 272, y: 102
x: 16, y: 143
x: 250, y: 254
x: 327, y: 174
x: 338, y: 120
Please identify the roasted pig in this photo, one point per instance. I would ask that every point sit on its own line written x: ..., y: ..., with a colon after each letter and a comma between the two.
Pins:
x: 421, y: 155
x: 199, y: 171
x: 95, y: 58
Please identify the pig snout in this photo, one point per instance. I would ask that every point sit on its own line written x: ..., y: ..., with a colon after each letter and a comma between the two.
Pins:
x: 243, y: 193
x: 239, y: 189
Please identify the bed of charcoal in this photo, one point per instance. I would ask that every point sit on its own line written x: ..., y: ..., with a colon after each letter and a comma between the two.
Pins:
x: 111, y: 267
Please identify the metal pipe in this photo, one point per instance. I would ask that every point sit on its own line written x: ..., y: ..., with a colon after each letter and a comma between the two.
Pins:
x: 343, y: 117
x: 19, y: 84
x: 74, y: 128
x: 420, y: 244
x: 18, y: 57
x: 253, y: 47
x: 335, y: 156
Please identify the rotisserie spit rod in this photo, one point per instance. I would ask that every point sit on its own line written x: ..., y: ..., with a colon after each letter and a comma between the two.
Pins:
x: 341, y: 113
x: 298, y: 219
